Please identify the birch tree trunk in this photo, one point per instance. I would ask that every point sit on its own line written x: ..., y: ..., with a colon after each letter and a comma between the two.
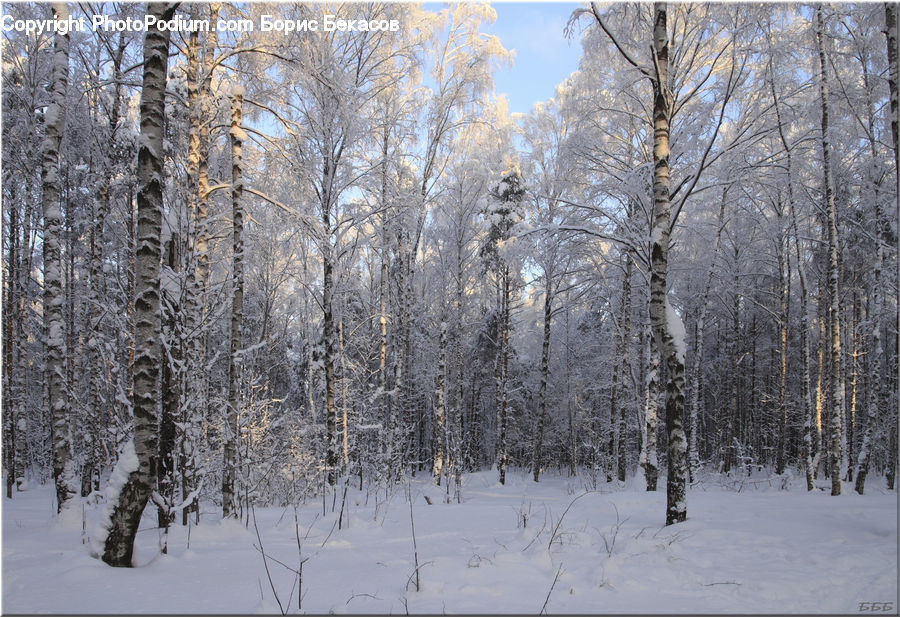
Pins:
x: 851, y: 421
x: 96, y: 335
x: 664, y: 321
x: 874, y: 400
x: 384, y: 254
x: 18, y: 368
x: 837, y: 383
x: 231, y: 432
x: 610, y: 462
x: 626, y: 365
x: 54, y: 329
x: 345, y: 414
x: 805, y: 323
x: 196, y: 288
x: 542, y: 391
x: 821, y: 377
x: 890, y: 32
x: 502, y: 384
x: 11, y: 345
x: 331, y: 456
x: 460, y: 449
x: 783, y: 294
x: 199, y: 86
x: 732, y: 432
x: 439, y: 438
x: 170, y: 387
x: 135, y: 473
x: 651, y: 406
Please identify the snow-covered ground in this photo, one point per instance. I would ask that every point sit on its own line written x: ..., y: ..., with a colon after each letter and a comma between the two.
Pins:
x: 754, y: 550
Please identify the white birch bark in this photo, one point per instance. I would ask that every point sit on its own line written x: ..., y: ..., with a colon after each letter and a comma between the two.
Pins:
x: 837, y: 383
x: 231, y: 432
x: 54, y: 329
x: 135, y: 472
x: 664, y: 320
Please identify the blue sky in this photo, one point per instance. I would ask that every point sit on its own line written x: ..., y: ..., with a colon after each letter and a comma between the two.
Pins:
x: 544, y: 56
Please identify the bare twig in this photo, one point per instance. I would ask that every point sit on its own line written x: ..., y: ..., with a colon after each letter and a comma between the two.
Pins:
x: 362, y: 595
x: 265, y: 563
x: 279, y: 562
x: 622, y: 50
x: 538, y: 534
x: 614, y: 530
x: 329, y: 534
x: 343, y: 501
x: 559, y: 571
x: 412, y: 524
x: 416, y: 574
x: 555, y: 532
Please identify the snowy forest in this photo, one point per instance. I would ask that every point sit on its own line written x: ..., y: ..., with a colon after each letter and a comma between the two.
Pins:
x: 262, y: 257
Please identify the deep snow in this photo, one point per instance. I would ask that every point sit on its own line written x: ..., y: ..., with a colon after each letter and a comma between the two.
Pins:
x: 747, y: 547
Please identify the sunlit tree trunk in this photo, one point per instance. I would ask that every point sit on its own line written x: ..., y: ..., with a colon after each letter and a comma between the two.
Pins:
x: 805, y: 325
x: 783, y: 293
x: 200, y: 58
x: 664, y: 321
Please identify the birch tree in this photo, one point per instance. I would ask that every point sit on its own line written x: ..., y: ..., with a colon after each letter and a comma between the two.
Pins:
x: 236, y: 135
x: 63, y: 466
x: 836, y: 382
x: 668, y: 330
x: 134, y: 476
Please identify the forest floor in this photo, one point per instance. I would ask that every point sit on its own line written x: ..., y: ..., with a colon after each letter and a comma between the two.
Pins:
x: 747, y: 547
